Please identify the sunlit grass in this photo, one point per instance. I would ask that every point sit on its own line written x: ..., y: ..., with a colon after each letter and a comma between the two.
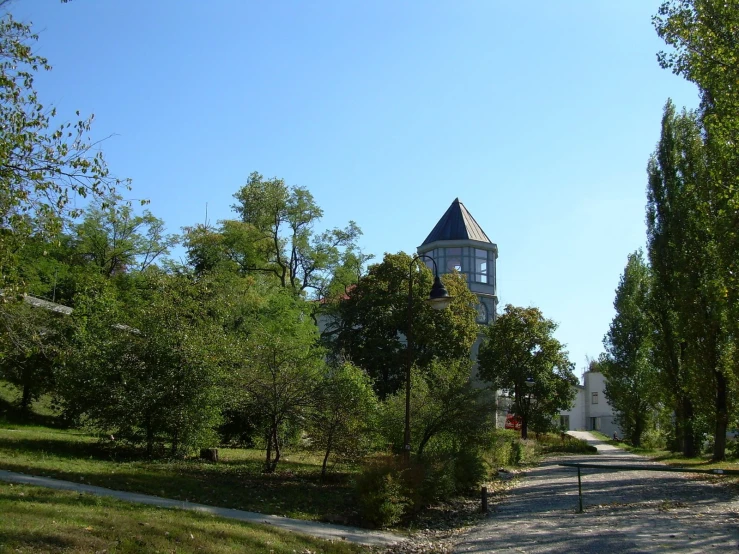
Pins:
x: 34, y: 519
x: 236, y: 481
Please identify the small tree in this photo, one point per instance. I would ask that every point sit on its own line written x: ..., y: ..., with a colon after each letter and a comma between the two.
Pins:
x: 30, y: 349
x: 445, y: 406
x: 520, y: 355
x: 342, y: 419
x: 281, y: 367
x: 153, y: 376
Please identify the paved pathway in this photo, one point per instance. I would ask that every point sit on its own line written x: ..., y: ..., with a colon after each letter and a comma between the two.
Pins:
x: 624, y: 512
x: 312, y: 528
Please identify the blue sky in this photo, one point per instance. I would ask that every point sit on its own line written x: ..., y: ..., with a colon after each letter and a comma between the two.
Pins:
x: 540, y: 116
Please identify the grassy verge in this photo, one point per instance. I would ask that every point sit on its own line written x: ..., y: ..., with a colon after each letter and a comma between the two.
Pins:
x: 34, y: 519
x: 551, y: 443
x: 236, y: 481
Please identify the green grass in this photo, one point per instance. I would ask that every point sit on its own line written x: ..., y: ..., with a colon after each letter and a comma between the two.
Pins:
x: 550, y: 443
x: 236, y: 481
x: 34, y: 519
x: 39, y: 445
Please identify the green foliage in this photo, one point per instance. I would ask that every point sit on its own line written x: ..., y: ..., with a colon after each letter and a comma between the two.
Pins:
x: 627, y: 365
x: 371, y: 325
x: 448, y: 414
x: 279, y: 368
x: 382, y: 494
x: 550, y: 443
x: 343, y: 417
x: 690, y: 295
x: 114, y: 239
x: 275, y: 236
x: 31, y: 346
x: 519, y: 346
x: 153, y: 379
x: 705, y: 51
x: 41, y: 169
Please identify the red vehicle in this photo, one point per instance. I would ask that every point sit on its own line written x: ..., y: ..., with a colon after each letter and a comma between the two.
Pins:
x: 512, y: 421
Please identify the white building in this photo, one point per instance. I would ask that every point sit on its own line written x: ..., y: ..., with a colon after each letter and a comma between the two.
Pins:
x: 591, y: 410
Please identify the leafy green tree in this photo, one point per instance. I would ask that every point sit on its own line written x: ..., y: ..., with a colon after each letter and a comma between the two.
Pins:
x: 152, y: 374
x: 371, y: 324
x: 115, y: 240
x: 519, y: 346
x: 342, y: 418
x: 705, y: 50
x: 275, y: 235
x: 690, y: 289
x: 281, y: 368
x: 41, y: 168
x: 31, y: 348
x: 627, y: 364
x: 446, y: 409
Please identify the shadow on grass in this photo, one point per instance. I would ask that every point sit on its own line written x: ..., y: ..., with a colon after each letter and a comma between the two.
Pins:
x: 12, y: 413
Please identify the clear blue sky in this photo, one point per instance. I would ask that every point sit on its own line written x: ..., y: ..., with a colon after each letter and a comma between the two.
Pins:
x: 540, y: 116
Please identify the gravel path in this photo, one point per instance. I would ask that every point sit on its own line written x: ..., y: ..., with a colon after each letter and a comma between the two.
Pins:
x: 624, y: 512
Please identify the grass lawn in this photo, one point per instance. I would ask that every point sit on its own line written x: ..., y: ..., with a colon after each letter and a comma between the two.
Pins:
x: 236, y: 481
x: 35, y: 519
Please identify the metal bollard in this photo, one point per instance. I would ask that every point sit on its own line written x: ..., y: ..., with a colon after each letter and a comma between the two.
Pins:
x: 484, y: 492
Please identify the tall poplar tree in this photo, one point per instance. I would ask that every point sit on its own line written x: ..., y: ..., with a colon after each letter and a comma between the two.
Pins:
x: 627, y: 364
x: 690, y: 294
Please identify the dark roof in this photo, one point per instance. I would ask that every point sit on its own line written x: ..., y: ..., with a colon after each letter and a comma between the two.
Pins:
x: 457, y: 224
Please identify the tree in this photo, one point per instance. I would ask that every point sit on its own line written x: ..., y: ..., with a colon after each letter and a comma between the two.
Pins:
x: 371, y: 324
x: 152, y: 374
x: 343, y: 414
x: 41, y: 169
x: 627, y: 364
x: 691, y: 294
x: 445, y: 408
x: 519, y: 347
x: 275, y: 236
x: 30, y: 349
x: 115, y: 240
x: 705, y: 42
x: 281, y: 368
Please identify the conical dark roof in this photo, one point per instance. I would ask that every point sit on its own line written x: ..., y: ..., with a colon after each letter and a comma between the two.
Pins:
x: 457, y: 224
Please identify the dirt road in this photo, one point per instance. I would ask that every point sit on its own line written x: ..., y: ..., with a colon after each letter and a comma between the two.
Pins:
x: 624, y: 512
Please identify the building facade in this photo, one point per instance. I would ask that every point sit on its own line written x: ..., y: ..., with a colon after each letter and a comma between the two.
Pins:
x: 591, y: 410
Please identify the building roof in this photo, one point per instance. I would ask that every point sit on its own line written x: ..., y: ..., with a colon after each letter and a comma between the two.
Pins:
x: 457, y: 224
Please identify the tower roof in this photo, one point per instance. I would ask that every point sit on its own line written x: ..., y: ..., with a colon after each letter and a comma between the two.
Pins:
x: 457, y: 224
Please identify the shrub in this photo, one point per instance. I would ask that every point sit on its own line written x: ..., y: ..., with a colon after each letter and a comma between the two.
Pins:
x: 507, y: 449
x: 382, y: 493
x: 653, y: 439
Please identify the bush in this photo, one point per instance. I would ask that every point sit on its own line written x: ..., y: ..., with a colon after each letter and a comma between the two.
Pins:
x: 382, y: 493
x: 653, y: 439
x: 509, y: 450
x: 551, y: 443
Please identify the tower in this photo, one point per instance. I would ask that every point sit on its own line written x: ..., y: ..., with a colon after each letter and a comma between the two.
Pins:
x: 458, y: 243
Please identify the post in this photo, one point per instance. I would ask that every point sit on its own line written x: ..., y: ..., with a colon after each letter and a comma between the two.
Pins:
x: 484, y: 493
x: 579, y: 488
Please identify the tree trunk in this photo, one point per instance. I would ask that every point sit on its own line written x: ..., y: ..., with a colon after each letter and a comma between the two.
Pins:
x: 329, y: 443
x: 524, y: 428
x: 688, y: 432
x: 149, y: 440
x: 722, y: 418
x: 268, y: 461
x: 26, y: 399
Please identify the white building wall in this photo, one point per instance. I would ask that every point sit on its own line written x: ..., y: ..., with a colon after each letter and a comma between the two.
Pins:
x: 576, y: 414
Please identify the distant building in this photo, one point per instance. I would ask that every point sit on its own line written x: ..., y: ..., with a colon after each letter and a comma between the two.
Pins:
x: 591, y: 410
